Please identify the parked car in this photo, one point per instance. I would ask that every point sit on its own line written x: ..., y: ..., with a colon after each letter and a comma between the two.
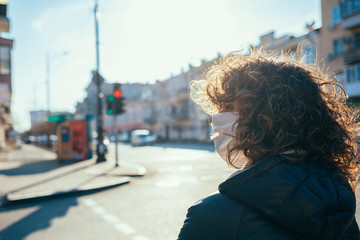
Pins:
x: 124, y: 137
x: 142, y: 137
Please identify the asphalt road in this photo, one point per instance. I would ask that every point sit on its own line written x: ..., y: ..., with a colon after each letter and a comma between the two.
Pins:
x: 149, y: 208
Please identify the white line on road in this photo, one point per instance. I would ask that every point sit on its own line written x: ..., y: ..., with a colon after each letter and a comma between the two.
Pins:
x: 98, y: 210
x: 169, y: 183
x: 125, y: 228
x: 182, y: 168
x: 110, y: 218
x: 185, y: 168
x: 202, y: 167
x: 206, y: 178
x: 190, y: 179
x: 122, y: 227
x: 89, y: 202
x: 166, y: 169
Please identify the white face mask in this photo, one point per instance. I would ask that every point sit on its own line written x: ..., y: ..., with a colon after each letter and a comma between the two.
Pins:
x: 223, y: 125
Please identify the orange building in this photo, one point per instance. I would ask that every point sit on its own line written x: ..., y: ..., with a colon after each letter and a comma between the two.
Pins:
x: 339, y: 46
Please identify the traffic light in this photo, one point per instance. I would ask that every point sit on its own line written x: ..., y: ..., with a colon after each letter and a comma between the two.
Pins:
x: 110, y: 105
x: 119, y: 105
x: 118, y: 99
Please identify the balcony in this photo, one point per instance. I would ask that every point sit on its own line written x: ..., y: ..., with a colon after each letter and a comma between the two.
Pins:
x: 351, y: 22
x: 352, y: 56
x: 350, y: 13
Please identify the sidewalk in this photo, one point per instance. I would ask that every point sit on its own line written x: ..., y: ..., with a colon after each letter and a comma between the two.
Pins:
x: 32, y: 173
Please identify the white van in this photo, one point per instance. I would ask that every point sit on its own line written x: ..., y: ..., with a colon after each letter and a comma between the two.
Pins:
x: 142, y: 137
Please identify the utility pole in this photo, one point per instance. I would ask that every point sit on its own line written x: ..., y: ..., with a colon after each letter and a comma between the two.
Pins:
x: 97, y: 79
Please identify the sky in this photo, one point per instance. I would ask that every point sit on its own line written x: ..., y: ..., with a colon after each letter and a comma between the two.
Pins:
x: 140, y: 41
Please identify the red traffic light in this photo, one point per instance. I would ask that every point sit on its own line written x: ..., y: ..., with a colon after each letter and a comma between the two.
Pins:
x: 117, y: 93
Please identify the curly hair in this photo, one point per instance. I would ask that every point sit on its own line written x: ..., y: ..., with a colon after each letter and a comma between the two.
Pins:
x: 283, y: 105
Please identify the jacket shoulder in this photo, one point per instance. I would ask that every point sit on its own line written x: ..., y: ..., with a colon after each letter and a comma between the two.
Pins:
x: 211, y: 218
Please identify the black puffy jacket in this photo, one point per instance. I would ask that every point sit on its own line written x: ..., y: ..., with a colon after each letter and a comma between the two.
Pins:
x: 276, y: 199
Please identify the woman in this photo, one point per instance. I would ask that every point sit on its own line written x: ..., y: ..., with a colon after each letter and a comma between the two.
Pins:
x: 288, y: 130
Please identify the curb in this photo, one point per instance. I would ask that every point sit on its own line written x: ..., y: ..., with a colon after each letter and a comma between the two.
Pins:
x: 141, y: 171
x: 12, y: 199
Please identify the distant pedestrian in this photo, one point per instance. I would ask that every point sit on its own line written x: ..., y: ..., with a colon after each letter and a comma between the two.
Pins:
x: 101, y: 150
x: 286, y: 126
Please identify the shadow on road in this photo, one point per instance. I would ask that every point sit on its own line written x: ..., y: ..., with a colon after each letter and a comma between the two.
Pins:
x: 34, y: 168
x: 47, y: 209
x: 41, y: 181
x: 37, y: 220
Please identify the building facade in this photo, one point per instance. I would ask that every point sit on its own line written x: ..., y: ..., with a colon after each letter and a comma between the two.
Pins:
x: 131, y: 119
x: 6, y: 125
x: 164, y: 107
x: 303, y: 46
x: 171, y: 114
x: 340, y: 43
x: 38, y: 116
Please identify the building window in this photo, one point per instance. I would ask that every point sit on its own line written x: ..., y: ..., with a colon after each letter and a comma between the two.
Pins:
x: 357, y: 71
x: 338, y: 46
x: 310, y: 54
x: 335, y: 15
x: 352, y: 73
x: 356, y: 41
x: 348, y: 7
x: 4, y: 60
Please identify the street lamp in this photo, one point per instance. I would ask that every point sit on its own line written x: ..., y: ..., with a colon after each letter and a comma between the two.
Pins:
x: 98, y: 82
x: 49, y: 60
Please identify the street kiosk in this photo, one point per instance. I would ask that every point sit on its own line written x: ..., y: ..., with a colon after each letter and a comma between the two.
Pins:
x: 73, y: 140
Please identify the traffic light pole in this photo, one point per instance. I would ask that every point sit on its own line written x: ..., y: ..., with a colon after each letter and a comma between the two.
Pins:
x: 115, y: 106
x: 116, y: 138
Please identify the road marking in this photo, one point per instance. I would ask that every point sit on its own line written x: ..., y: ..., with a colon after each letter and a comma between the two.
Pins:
x: 139, y: 237
x: 182, y: 168
x: 185, y: 168
x: 110, y: 218
x: 166, y: 169
x: 202, y: 167
x: 98, y: 210
x: 167, y: 184
x: 89, y: 202
x: 122, y: 227
x: 125, y: 228
x: 207, y: 178
x: 190, y: 179
x: 175, y: 183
